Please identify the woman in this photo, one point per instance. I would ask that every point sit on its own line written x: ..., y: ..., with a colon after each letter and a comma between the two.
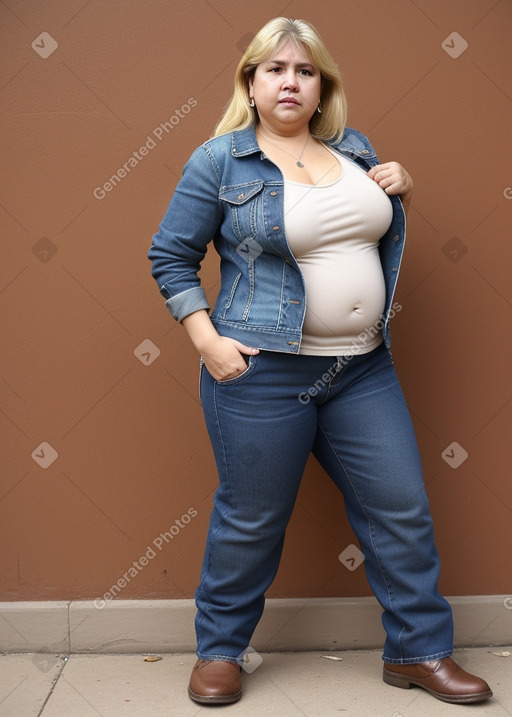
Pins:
x: 298, y: 206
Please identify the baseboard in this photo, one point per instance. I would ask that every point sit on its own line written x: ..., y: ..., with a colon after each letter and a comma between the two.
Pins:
x: 141, y: 626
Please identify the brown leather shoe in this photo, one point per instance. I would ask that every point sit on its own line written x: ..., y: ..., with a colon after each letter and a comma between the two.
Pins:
x: 442, y: 678
x: 215, y: 682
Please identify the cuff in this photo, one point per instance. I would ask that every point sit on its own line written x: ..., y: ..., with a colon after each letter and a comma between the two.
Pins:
x: 186, y: 302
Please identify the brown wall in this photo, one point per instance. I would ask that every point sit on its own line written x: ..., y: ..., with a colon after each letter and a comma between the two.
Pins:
x: 78, y: 301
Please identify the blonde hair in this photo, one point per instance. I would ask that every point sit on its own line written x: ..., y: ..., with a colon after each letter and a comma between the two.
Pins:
x: 330, y: 124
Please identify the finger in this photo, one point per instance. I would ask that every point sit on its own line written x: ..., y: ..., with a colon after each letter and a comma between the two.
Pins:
x: 248, y: 350
x: 394, y: 188
x: 385, y: 182
x: 375, y: 170
x: 383, y: 175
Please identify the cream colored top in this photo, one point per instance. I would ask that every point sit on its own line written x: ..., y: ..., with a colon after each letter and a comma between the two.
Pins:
x: 333, y: 231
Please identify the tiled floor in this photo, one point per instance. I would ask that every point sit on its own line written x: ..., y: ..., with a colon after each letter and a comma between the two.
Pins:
x: 287, y: 684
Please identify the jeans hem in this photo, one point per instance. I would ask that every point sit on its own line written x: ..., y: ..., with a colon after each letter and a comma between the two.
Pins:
x: 223, y: 658
x: 415, y: 660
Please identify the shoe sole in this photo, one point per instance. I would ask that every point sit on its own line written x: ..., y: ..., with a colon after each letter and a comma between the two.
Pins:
x: 405, y: 683
x: 214, y: 699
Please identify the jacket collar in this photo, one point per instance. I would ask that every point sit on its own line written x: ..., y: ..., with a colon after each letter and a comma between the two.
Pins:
x: 244, y: 142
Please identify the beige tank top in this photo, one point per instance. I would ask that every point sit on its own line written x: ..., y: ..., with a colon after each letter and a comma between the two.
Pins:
x: 333, y: 231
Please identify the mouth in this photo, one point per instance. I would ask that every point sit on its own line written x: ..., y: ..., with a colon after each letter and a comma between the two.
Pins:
x: 288, y: 101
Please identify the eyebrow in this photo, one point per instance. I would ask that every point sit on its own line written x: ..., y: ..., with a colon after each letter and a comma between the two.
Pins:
x: 282, y: 63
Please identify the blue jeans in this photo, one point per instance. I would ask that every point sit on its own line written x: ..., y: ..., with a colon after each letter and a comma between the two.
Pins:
x: 351, y: 413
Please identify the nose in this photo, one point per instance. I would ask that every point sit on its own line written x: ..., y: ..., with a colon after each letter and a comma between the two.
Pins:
x: 290, y: 80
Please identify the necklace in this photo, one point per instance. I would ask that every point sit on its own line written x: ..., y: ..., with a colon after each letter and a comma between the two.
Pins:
x: 297, y: 159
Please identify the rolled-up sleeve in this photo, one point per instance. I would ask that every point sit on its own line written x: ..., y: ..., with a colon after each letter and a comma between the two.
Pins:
x: 190, y: 223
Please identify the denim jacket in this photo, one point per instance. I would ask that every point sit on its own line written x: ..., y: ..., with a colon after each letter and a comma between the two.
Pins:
x: 232, y: 193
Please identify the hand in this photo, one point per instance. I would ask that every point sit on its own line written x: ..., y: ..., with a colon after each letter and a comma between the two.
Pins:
x: 224, y: 357
x: 392, y: 178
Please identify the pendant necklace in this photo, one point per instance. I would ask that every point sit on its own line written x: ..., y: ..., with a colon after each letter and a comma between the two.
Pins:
x: 297, y: 159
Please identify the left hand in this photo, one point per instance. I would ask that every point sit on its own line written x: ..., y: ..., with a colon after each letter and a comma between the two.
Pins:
x: 392, y: 178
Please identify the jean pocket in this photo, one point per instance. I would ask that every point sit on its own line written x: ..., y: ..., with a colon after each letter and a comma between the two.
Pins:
x: 251, y: 363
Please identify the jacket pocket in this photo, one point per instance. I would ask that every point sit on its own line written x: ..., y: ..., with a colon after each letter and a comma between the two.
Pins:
x: 243, y: 202
x: 237, y: 307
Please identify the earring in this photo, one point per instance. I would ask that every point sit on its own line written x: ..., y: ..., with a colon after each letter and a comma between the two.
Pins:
x: 319, y: 108
x: 251, y: 102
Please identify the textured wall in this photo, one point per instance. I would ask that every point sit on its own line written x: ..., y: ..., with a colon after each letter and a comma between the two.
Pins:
x: 107, y: 473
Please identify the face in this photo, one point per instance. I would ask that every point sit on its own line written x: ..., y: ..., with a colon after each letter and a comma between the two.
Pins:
x: 286, y: 89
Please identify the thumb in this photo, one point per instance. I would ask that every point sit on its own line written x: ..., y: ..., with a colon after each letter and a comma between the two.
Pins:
x: 248, y: 350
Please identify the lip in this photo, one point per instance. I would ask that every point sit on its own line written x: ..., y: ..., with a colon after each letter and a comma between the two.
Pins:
x: 288, y: 101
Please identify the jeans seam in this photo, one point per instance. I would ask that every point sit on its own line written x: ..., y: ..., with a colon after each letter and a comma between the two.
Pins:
x: 206, y: 567
x: 370, y: 525
x: 337, y: 375
x: 415, y: 660
x: 219, y: 429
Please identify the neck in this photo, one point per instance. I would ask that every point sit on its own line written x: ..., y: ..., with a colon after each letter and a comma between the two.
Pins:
x: 298, y: 134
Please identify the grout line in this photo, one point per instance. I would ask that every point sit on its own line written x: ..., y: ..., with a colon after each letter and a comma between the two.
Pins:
x: 54, y: 684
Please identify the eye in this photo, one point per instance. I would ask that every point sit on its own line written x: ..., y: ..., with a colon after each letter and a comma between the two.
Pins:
x: 307, y: 72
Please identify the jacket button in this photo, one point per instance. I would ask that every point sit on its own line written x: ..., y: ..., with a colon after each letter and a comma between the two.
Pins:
x: 275, y: 228
x: 395, y: 268
x: 396, y: 237
x: 365, y: 151
x: 240, y: 196
x: 273, y: 194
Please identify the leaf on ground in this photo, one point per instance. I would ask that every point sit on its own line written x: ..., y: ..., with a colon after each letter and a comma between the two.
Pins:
x: 504, y: 653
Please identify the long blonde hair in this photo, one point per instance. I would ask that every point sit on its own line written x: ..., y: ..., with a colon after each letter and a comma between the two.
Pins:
x: 330, y: 124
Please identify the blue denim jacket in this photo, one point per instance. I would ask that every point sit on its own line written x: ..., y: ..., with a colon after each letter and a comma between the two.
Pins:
x: 232, y: 193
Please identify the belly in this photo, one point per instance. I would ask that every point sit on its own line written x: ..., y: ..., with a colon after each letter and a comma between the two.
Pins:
x: 345, y: 294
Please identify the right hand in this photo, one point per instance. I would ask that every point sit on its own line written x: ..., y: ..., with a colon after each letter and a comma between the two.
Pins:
x: 224, y: 357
